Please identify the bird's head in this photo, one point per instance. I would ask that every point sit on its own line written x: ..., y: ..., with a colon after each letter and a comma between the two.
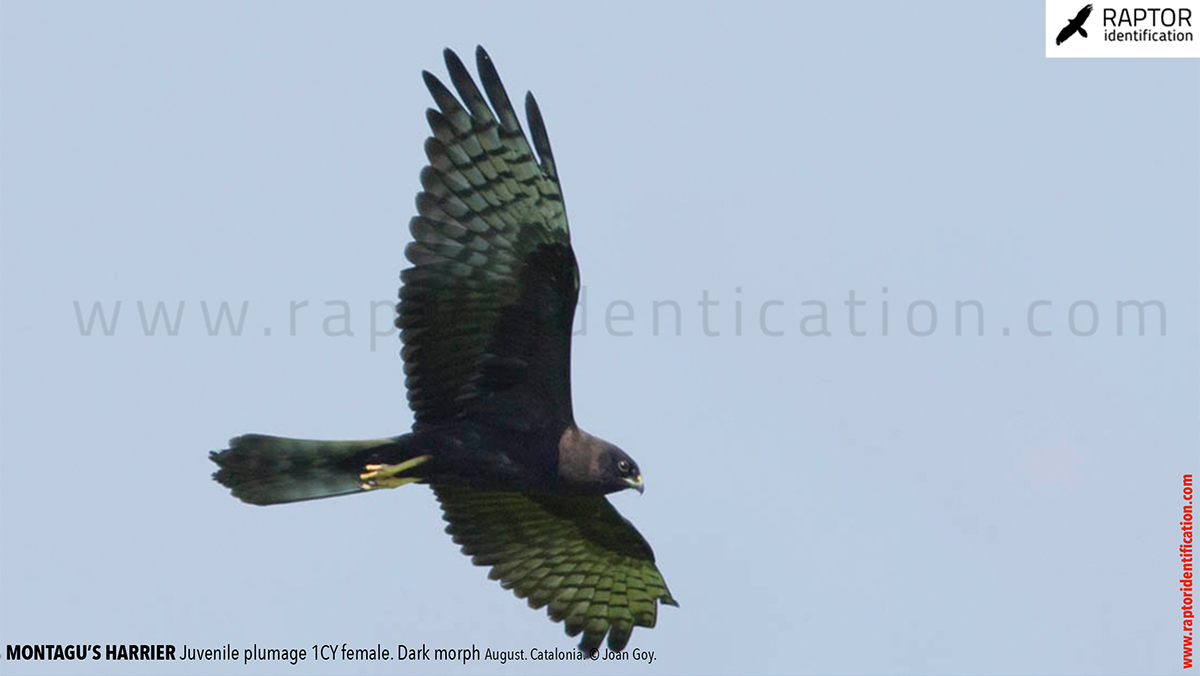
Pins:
x: 588, y: 464
x: 621, y: 471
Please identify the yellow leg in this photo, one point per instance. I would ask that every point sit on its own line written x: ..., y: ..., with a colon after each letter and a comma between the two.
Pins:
x: 384, y: 476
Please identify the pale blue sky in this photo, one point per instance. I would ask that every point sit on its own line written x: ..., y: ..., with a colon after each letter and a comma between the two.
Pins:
x: 818, y: 504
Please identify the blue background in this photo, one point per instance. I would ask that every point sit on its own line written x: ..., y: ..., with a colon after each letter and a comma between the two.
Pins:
x: 826, y: 504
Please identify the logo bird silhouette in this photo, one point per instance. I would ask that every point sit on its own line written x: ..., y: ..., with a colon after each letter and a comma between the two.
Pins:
x: 1074, y: 25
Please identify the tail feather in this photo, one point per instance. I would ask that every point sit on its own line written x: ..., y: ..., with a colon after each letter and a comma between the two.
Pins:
x: 266, y: 470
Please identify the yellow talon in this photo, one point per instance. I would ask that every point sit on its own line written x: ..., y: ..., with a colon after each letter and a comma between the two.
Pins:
x: 384, y: 476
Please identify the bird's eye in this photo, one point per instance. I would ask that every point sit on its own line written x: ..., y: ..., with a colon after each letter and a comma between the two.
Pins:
x: 623, y: 465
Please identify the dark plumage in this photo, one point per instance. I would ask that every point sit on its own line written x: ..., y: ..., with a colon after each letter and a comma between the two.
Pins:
x: 485, y: 315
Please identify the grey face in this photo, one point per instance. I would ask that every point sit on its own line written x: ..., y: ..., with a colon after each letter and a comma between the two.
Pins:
x: 624, y: 471
x: 590, y: 465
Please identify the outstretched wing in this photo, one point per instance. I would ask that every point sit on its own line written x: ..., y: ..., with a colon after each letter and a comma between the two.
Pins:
x: 576, y: 555
x: 486, y: 311
x: 1082, y: 15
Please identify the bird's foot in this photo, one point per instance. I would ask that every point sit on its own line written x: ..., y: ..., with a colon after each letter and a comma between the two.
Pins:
x: 386, y: 476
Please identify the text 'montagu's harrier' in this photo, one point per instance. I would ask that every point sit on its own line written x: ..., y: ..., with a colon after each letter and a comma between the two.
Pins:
x: 485, y: 314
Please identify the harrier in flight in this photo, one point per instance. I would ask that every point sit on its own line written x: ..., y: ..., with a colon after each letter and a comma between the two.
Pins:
x: 1074, y: 25
x: 485, y: 315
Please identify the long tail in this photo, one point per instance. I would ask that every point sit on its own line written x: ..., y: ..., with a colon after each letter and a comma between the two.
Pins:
x: 265, y: 470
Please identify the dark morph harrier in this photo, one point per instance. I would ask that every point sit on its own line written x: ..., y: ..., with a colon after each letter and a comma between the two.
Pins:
x: 485, y: 314
x: 1074, y: 25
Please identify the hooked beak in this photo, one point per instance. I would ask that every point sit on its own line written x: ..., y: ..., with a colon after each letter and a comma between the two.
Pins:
x: 636, y: 484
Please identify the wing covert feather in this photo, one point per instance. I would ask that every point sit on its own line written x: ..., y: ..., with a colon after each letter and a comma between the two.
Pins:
x: 575, y: 555
x: 491, y: 234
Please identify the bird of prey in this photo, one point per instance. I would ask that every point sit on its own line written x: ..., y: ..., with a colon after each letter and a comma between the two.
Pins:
x: 485, y: 316
x: 1074, y: 25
